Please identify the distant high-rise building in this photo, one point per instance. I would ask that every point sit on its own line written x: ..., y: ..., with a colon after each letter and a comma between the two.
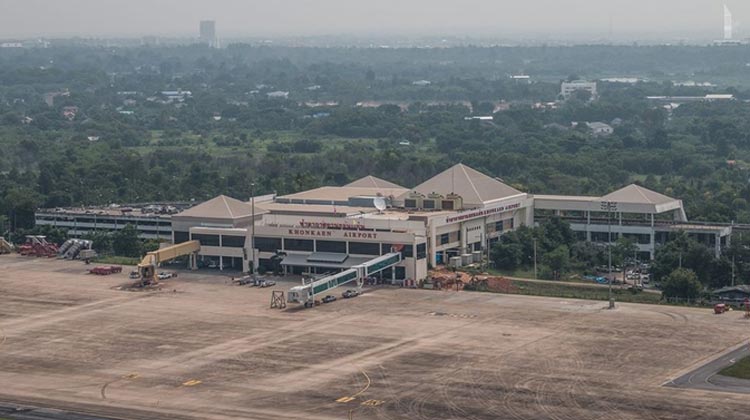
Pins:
x: 727, y: 23
x: 728, y: 38
x: 208, y: 33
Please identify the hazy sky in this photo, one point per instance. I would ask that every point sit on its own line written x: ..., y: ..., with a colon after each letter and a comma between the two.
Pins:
x: 28, y: 18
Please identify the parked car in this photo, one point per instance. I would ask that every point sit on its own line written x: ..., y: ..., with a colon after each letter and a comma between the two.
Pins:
x: 213, y: 264
x: 164, y: 275
x: 350, y: 294
x: 268, y: 283
x: 134, y: 275
x: 329, y: 298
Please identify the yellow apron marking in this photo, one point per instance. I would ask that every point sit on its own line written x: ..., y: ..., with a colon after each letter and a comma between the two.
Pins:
x: 192, y: 382
x: 372, y: 403
x: 353, y: 397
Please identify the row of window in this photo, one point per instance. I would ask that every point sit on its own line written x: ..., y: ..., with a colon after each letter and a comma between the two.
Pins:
x: 104, y: 221
x: 264, y: 244
x: 211, y: 240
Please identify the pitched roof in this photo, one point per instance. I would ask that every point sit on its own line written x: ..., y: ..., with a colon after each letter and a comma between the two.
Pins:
x: 637, y: 194
x: 222, y: 207
x: 744, y: 288
x: 372, y: 182
x: 324, y: 195
x: 473, y: 186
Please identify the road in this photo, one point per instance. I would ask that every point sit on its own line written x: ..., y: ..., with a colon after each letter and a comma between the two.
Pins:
x: 707, y: 376
x: 14, y: 412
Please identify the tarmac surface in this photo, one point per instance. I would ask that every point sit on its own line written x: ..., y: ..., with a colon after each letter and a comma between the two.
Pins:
x: 707, y: 377
x: 203, y: 349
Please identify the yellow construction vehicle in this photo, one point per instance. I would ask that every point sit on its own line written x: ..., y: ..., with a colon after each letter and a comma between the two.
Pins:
x: 5, y: 246
x: 149, y: 264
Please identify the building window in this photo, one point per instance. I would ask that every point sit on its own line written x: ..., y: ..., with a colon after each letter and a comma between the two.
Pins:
x: 448, y: 205
x: 233, y: 241
x: 407, y: 251
x: 267, y: 244
x: 602, y: 236
x: 445, y: 238
x: 206, y: 240
x: 364, y: 248
x: 180, y: 237
x: 298, y: 245
x: 421, y: 251
x: 499, y: 226
x: 337, y: 247
x: 428, y: 204
x: 410, y: 203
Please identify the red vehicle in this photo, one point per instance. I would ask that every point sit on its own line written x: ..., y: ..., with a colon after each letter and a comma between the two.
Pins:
x: 37, y: 246
x: 720, y: 308
x: 105, y: 270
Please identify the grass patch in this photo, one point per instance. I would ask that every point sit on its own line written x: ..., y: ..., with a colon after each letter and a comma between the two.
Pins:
x: 739, y: 370
x: 573, y: 291
x: 115, y: 260
x: 524, y: 273
x: 528, y: 273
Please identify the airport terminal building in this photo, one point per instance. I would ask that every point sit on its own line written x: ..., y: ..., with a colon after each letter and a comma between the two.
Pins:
x: 456, y: 214
x: 452, y: 218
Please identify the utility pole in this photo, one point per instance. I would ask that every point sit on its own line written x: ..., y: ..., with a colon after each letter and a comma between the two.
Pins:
x: 535, y: 259
x: 252, y: 228
x: 609, y: 207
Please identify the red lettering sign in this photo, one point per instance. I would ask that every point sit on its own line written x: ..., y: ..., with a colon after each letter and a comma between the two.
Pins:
x: 482, y: 213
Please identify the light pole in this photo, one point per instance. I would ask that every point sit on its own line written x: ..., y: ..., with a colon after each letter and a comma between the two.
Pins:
x: 609, y: 207
x: 252, y: 228
x: 535, y: 259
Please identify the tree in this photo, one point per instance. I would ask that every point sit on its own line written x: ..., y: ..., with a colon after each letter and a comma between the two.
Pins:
x: 683, y: 252
x: 558, y: 260
x: 682, y: 283
x: 507, y: 255
x: 101, y: 242
x: 588, y: 254
x: 624, y: 249
x: 125, y: 242
x: 556, y: 232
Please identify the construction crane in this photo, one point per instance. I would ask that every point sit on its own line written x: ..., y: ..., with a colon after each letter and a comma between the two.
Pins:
x: 147, y: 267
x: 305, y: 294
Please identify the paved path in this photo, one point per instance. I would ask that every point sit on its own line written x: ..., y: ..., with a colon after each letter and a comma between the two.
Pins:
x: 707, y: 376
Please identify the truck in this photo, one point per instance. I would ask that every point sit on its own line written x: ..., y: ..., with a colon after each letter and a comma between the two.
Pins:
x: 105, y: 270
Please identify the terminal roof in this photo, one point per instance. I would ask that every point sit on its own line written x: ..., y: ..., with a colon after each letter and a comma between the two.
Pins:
x: 222, y: 207
x: 331, y: 195
x: 474, y: 187
x: 372, y: 182
x: 637, y: 194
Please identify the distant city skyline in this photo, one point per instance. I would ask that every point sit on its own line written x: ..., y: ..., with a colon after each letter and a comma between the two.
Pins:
x: 580, y: 19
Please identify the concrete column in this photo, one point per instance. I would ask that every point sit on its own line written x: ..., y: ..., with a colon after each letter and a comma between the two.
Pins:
x: 433, y: 244
x: 221, y: 262
x: 717, y: 246
x: 464, y: 234
x: 652, y: 247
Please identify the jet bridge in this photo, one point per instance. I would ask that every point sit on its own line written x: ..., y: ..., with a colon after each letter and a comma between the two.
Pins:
x: 306, y: 293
